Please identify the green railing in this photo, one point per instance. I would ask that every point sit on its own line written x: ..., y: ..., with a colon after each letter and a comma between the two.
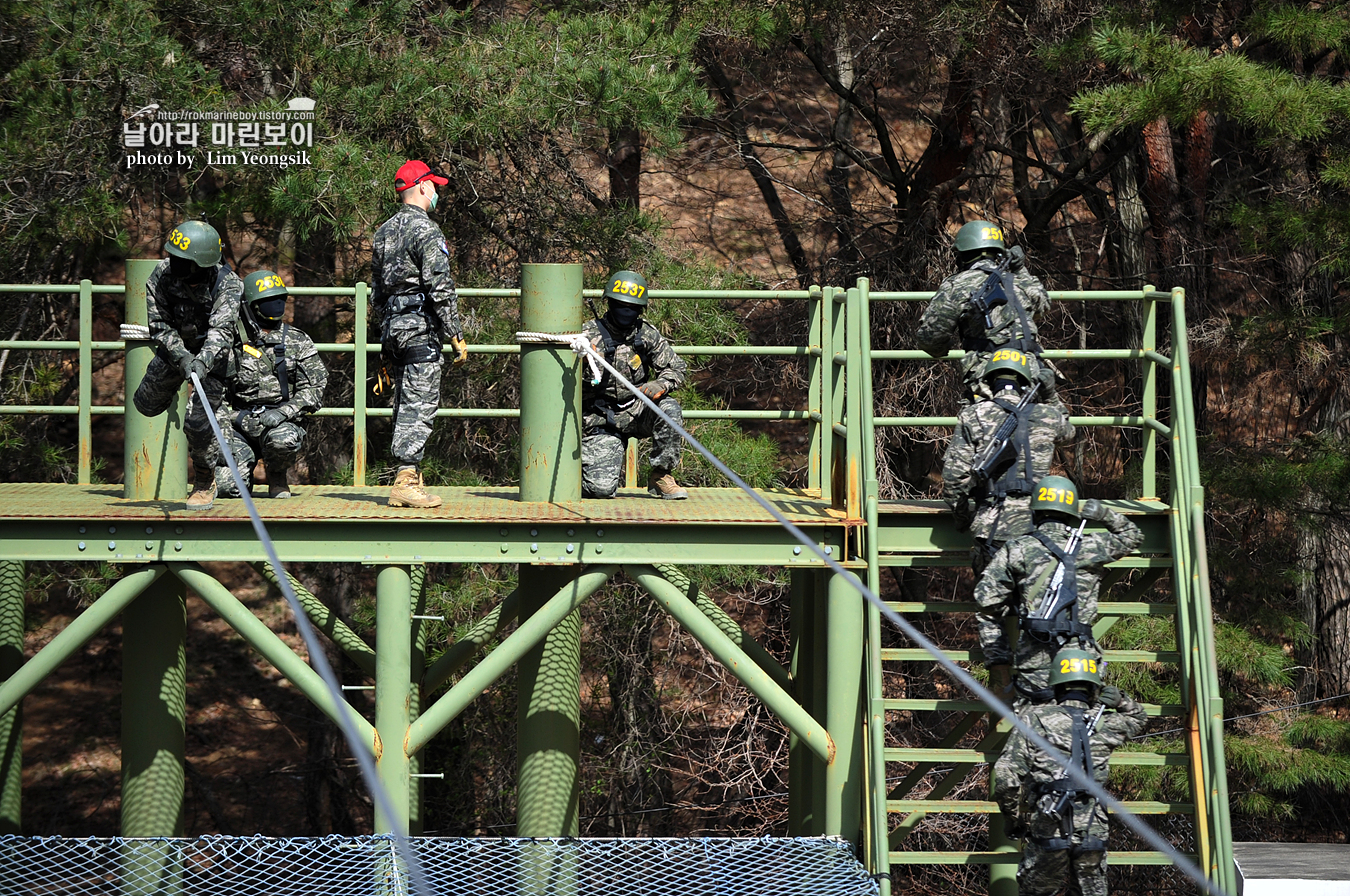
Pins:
x: 359, y: 411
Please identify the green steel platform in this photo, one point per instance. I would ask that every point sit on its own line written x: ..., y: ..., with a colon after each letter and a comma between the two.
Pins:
x: 837, y: 694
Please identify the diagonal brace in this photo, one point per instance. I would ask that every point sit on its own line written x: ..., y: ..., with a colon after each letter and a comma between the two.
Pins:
x: 326, y: 620
x: 273, y: 649
x: 706, y: 632
x: 529, y: 633
x: 75, y: 635
x: 459, y: 653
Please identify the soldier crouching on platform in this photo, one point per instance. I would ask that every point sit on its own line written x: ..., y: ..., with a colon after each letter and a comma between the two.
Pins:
x: 1049, y: 581
x: 611, y: 414
x: 1064, y: 828
x: 414, y: 297
x: 1000, y: 447
x: 192, y: 302
x: 274, y: 376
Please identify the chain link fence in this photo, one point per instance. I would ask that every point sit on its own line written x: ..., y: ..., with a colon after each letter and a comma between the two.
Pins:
x: 368, y: 866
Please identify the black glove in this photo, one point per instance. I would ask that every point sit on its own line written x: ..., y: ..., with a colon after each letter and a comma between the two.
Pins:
x: 198, y: 366
x: 250, y: 425
x: 272, y: 417
x: 1092, y: 509
x: 1013, y: 827
x: 654, y: 390
x: 1110, y: 696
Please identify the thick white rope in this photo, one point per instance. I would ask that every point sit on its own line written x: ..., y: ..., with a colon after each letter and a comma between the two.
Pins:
x: 581, y: 346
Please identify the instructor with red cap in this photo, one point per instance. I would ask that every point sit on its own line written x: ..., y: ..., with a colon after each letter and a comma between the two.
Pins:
x: 418, y: 311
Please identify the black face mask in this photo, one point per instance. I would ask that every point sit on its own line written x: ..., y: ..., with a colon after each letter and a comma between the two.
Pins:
x: 271, y: 310
x: 622, y: 316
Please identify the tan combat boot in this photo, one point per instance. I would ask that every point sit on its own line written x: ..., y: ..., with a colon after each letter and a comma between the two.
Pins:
x: 277, y: 486
x: 663, y: 485
x: 203, y: 490
x: 408, y: 491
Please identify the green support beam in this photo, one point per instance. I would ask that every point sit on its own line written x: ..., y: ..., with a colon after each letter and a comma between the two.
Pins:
x: 326, y: 620
x: 482, y: 631
x: 154, y: 710
x: 532, y: 629
x: 393, y: 693
x: 781, y: 703
x: 11, y: 722
x: 155, y: 449
x: 844, y: 709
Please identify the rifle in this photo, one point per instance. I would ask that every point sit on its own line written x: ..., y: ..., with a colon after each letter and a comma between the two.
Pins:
x: 993, y: 451
x: 991, y: 293
x: 1050, y: 604
x: 1087, y: 762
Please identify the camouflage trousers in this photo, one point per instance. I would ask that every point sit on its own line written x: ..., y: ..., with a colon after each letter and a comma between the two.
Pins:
x: 602, y: 450
x: 277, y: 447
x: 159, y: 390
x: 415, y: 361
x: 1043, y: 872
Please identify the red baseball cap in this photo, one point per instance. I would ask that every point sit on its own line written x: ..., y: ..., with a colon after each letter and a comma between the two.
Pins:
x: 413, y: 173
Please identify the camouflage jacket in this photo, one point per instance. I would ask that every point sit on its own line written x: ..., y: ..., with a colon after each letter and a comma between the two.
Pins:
x: 193, y: 320
x: 656, y: 363
x: 1022, y: 766
x: 977, y: 507
x: 1016, y: 580
x: 949, y: 318
x: 252, y: 375
x: 412, y: 258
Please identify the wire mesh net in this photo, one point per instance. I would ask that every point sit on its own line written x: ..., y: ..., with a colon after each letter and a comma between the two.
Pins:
x: 347, y: 866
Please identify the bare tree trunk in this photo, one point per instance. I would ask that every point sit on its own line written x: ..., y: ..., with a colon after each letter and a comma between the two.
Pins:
x: 1131, y: 256
x: 837, y: 178
x: 758, y: 170
x: 625, y: 168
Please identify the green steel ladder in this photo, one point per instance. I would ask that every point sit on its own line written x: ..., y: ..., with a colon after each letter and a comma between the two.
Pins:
x: 912, y: 535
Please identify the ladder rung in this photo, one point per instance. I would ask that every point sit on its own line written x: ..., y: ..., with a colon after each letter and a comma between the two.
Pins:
x: 936, y: 705
x: 975, y: 807
x: 894, y: 654
x: 994, y: 858
x: 975, y: 757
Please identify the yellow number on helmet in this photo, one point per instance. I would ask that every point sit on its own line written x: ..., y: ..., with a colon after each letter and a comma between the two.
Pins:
x: 1063, y: 667
x: 1092, y: 666
x: 179, y: 240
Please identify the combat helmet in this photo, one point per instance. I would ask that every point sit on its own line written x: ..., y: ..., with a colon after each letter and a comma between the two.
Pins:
x: 1055, y: 494
x: 628, y: 287
x: 265, y: 294
x: 195, y: 241
x: 1005, y: 361
x: 1071, y: 665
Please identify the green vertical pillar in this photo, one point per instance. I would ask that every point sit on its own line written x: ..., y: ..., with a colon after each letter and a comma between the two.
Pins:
x: 843, y: 710
x: 550, y: 385
x: 155, y: 449
x: 154, y: 692
x: 393, y: 692
x: 11, y: 723
x: 803, y: 766
x: 549, y: 702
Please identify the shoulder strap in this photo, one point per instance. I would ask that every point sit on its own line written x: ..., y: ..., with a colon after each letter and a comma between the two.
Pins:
x: 1026, y: 342
x: 279, y: 352
x: 1069, y: 587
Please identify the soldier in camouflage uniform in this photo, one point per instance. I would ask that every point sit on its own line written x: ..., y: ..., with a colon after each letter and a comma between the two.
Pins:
x: 418, y: 308
x: 1021, y: 572
x: 994, y: 501
x: 192, y: 300
x: 612, y: 414
x: 950, y: 315
x: 1064, y: 830
x: 273, y: 377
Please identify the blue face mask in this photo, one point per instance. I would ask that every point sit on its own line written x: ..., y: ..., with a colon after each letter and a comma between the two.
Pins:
x: 434, y: 198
